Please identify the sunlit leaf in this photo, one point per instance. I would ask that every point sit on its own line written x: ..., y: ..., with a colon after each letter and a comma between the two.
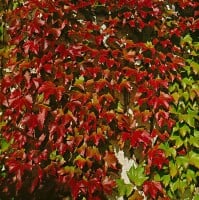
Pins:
x: 137, y: 175
x: 124, y: 188
x: 193, y: 159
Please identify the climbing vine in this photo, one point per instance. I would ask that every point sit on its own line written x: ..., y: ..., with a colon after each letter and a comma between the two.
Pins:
x: 85, y: 79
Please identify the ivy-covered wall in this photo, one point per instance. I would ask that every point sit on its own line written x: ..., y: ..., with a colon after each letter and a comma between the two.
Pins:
x: 83, y: 80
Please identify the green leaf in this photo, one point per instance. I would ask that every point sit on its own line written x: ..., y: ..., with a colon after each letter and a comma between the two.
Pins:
x: 1, y: 32
x: 184, y: 130
x: 176, y: 96
x: 196, y: 45
x: 187, y: 69
x: 4, y: 145
x: 174, y: 185
x: 149, y: 44
x: 53, y: 155
x: 194, y: 141
x: 79, y: 82
x: 168, y: 150
x: 194, y: 159
x: 195, y: 67
x: 190, y: 176
x: 178, y: 140
x: 2, y: 124
x: 196, y: 197
x: 136, y: 175
x: 196, y: 133
x: 188, y: 118
x: 166, y: 180
x: 187, y: 39
x: 40, y: 98
x: 186, y: 82
x: 174, y: 87
x: 192, y: 94
x: 119, y: 107
x: 123, y: 188
x: 182, y: 161
x: 157, y: 177
x: 182, y: 186
x: 186, y: 96
x: 173, y: 169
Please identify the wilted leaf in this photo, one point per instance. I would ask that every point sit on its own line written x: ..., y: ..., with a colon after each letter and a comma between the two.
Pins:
x: 136, y: 196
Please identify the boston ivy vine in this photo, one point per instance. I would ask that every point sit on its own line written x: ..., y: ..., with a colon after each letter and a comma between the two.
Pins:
x: 86, y: 78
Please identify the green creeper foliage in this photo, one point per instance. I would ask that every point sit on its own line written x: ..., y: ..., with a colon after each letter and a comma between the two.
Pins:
x: 136, y: 175
x: 124, y: 189
x: 184, y: 164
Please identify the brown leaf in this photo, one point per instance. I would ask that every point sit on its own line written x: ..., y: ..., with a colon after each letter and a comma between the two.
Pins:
x: 110, y: 160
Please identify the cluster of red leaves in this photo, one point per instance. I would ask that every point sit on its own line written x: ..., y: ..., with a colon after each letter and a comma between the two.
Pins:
x: 81, y: 74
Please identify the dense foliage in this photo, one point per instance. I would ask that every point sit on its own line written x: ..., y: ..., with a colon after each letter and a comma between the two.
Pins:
x: 83, y: 79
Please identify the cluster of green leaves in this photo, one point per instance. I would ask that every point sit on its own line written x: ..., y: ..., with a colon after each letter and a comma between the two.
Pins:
x: 181, y: 176
x: 137, y: 177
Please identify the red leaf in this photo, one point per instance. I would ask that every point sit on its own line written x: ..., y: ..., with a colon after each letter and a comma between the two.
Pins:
x: 152, y: 188
x: 48, y: 88
x: 6, y: 82
x: 47, y: 67
x: 34, y: 184
x: 160, y: 101
x: 99, y: 39
x: 110, y: 62
x: 132, y: 23
x: 140, y: 136
x: 75, y: 188
x: 161, y: 117
x: 31, y: 46
x: 30, y: 120
x: 125, y: 136
x: 108, y: 185
x: 80, y: 161
x: 108, y: 97
x: 157, y: 83
x: 97, y: 137
x: 103, y: 56
x: 93, y: 186
x: 127, y: 15
x: 21, y: 103
x: 156, y: 157
x: 2, y: 99
x: 108, y: 116
x: 59, y: 92
x: 61, y: 49
x: 42, y: 115
x: 100, y: 84
x: 125, y: 84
